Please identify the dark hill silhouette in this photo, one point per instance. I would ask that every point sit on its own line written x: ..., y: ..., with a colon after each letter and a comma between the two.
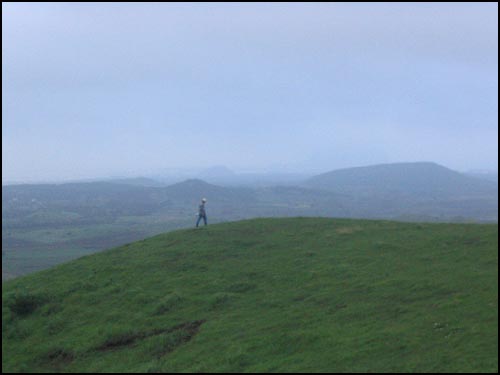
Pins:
x: 422, y: 178
x: 195, y: 189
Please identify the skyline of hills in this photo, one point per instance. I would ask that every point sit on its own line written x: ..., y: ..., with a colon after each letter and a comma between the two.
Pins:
x: 222, y: 174
x: 47, y: 223
x: 388, y: 189
x: 421, y: 178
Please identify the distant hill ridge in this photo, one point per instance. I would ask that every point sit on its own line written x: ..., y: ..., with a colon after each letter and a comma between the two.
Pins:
x: 418, y: 177
x: 192, y: 190
x: 418, y: 190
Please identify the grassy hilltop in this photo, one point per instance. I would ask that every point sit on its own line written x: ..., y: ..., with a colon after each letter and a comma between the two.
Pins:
x: 266, y: 295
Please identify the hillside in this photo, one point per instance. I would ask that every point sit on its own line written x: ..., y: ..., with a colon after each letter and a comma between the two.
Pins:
x: 266, y: 295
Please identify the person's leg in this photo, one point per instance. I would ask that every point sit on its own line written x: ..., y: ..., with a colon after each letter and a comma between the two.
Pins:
x: 198, y: 221
x: 205, y: 219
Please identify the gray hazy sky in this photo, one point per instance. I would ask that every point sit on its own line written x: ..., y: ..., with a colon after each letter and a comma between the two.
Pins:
x: 93, y: 89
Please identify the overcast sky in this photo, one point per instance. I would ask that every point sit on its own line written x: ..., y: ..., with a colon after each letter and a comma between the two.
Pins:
x: 96, y: 89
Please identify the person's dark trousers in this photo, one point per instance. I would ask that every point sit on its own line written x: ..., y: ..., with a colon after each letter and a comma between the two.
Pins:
x: 199, y: 218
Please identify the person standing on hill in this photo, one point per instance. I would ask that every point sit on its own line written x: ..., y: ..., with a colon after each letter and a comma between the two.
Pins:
x: 202, y: 213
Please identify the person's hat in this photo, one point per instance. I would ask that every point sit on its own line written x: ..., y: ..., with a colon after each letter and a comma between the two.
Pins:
x: 204, y: 200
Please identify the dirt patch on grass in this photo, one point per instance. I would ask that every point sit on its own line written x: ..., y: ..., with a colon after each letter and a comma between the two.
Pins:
x: 60, y: 356
x: 240, y: 287
x: 56, y: 360
x: 186, y: 331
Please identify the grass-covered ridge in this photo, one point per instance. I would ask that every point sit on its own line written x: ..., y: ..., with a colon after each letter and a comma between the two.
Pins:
x: 266, y: 295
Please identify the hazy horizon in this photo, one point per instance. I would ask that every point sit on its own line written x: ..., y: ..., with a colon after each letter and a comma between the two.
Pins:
x: 175, y: 175
x: 93, y: 90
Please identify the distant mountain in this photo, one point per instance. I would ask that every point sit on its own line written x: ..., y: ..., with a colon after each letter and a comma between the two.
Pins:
x: 193, y: 190
x: 424, y: 179
x: 221, y: 175
x: 422, y: 191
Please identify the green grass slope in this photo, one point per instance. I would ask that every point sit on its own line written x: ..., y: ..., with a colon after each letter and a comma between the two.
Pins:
x: 266, y: 295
